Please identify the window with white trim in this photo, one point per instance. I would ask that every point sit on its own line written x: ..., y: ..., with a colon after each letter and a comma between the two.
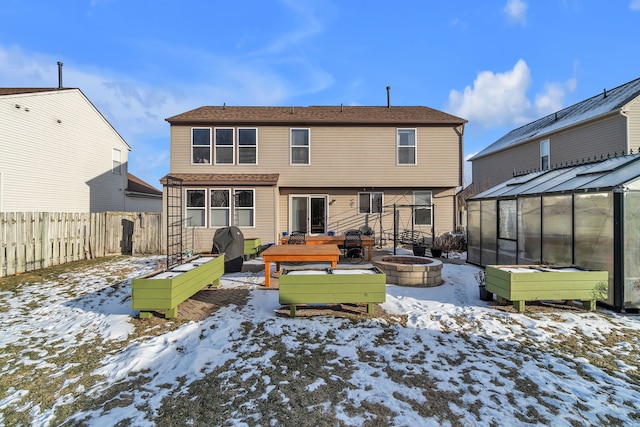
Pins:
x: 116, y: 162
x: 247, y: 146
x: 220, y: 207
x: 201, y: 145
x: 300, y: 154
x: 224, y: 146
x: 195, y: 208
x: 370, y: 202
x: 544, y: 155
x: 422, y: 215
x: 244, y: 207
x: 406, y: 146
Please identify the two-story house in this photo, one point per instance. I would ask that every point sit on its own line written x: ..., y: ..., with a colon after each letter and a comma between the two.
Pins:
x: 59, y: 154
x: 604, y: 125
x: 318, y: 169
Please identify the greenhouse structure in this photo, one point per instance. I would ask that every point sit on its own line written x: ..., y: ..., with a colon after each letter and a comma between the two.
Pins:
x: 585, y: 215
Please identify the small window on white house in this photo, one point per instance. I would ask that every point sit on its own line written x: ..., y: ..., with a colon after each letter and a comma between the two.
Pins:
x: 406, y: 145
x: 244, y: 207
x: 220, y: 208
x: 224, y: 147
x: 544, y: 155
x: 201, y: 145
x: 300, y: 147
x: 369, y: 203
x: 195, y: 208
x: 116, y: 165
x: 422, y: 215
x: 247, y: 146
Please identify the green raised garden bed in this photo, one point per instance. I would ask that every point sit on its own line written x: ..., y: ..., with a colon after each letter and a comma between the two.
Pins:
x: 520, y: 283
x: 165, y: 290
x: 332, y: 285
x: 252, y: 247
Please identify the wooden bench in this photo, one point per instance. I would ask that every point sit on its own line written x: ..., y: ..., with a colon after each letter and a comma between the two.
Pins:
x: 331, y: 286
x: 165, y: 290
x: 520, y: 283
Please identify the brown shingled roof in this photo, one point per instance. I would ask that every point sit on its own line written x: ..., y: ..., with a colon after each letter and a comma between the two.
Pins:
x: 254, y: 179
x: 20, y: 90
x: 332, y: 115
x: 137, y: 185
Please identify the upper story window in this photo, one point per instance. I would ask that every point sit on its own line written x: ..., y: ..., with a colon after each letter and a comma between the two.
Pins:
x: 201, y: 145
x: 116, y: 164
x: 244, y: 206
x: 406, y: 145
x: 247, y: 146
x: 220, y: 208
x: 422, y: 215
x: 224, y: 146
x: 369, y: 203
x: 544, y: 155
x: 300, y: 147
x: 195, y: 208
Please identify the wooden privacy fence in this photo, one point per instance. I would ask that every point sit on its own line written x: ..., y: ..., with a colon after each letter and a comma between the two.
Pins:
x: 34, y: 240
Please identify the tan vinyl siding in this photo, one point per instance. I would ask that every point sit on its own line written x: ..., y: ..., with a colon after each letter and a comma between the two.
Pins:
x: 491, y: 170
x: 601, y: 137
x: 633, y: 125
x: 58, y: 166
x: 598, y: 138
x: 343, y: 209
x: 200, y: 239
x: 341, y: 156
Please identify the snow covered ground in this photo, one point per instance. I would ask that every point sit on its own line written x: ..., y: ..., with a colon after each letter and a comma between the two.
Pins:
x: 450, y: 359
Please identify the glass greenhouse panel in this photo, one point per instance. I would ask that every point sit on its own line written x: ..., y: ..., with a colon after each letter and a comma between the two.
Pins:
x: 473, y: 232
x: 631, y: 250
x: 557, y: 230
x: 488, y: 228
x: 529, y: 230
x: 594, y: 233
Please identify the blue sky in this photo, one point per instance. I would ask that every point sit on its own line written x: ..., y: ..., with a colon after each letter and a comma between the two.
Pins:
x: 496, y: 63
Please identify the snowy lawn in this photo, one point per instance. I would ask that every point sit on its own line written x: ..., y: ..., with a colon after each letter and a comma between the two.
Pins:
x: 72, y: 352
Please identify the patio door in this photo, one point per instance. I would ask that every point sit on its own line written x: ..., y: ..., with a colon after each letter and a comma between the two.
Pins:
x: 308, y: 214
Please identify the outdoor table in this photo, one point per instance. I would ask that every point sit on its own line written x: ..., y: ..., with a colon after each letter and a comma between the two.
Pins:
x: 298, y: 253
x: 367, y: 242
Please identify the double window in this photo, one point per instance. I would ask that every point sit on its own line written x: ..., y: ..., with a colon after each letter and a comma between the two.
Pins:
x: 300, y: 147
x: 226, y: 150
x: 226, y: 207
x: 422, y: 215
x: 406, y: 146
x: 369, y: 203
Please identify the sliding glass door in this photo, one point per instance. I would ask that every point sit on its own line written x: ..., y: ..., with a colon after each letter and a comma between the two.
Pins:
x: 308, y: 214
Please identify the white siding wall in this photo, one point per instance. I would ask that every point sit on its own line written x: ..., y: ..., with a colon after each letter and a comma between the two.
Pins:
x: 633, y: 126
x: 48, y: 165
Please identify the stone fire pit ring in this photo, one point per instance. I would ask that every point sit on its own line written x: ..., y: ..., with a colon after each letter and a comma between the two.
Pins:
x: 409, y: 270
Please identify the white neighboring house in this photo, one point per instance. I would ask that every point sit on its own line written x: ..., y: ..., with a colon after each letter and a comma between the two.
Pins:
x: 142, y: 197
x: 59, y: 154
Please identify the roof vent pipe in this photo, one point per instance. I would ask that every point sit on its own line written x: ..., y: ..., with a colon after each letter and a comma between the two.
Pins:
x: 388, y: 96
x: 60, y: 75
x: 341, y: 108
x: 604, y: 93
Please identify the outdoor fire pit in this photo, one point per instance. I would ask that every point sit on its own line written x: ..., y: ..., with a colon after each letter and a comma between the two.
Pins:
x: 407, y: 270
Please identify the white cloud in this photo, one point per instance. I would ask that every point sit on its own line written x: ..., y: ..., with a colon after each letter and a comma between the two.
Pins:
x: 496, y: 99
x: 500, y: 99
x: 516, y: 11
x: 634, y: 5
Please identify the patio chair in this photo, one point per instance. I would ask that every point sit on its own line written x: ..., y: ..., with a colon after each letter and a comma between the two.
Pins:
x: 297, y: 238
x: 353, y: 250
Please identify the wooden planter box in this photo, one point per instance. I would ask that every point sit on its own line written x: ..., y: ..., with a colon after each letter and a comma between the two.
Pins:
x: 332, y: 285
x: 165, y: 290
x: 252, y: 247
x: 520, y: 283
